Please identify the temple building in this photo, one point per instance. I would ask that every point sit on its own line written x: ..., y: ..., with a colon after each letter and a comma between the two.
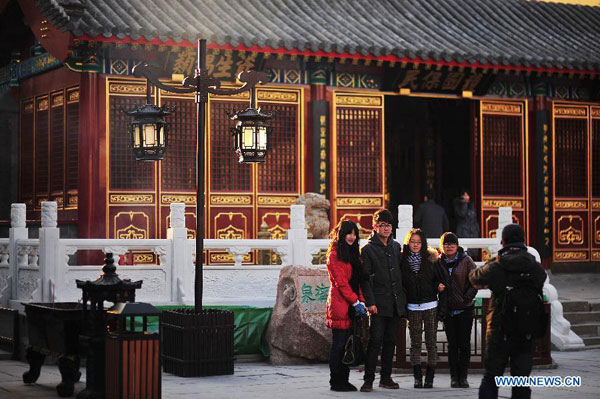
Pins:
x: 377, y: 102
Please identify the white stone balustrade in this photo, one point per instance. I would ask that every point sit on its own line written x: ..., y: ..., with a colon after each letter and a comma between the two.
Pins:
x: 39, y: 270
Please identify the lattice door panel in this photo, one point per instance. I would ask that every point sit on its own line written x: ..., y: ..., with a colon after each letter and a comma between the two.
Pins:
x: 26, y: 152
x: 571, y: 182
x: 42, y: 124
x: 57, y: 147
x: 133, y: 195
x: 357, y: 159
x: 503, y: 159
x: 595, y: 183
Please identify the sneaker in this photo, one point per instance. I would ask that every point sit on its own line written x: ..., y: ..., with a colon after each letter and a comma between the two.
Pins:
x: 367, y: 386
x: 388, y: 383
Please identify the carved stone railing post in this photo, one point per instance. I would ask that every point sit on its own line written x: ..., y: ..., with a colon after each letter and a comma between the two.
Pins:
x: 504, y: 218
x: 182, y: 277
x: 18, y: 231
x: 298, y: 237
x: 49, y: 242
x: 405, y: 221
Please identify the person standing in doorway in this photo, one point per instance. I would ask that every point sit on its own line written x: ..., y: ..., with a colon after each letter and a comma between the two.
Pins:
x: 466, y: 219
x: 384, y: 297
x: 423, y: 280
x: 503, y: 345
x: 461, y: 294
x: 431, y: 217
x: 344, y: 300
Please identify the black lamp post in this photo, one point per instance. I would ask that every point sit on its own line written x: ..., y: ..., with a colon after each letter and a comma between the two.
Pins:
x: 149, y: 132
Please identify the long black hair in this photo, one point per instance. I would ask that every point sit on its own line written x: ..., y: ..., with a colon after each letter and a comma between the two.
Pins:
x: 345, y: 252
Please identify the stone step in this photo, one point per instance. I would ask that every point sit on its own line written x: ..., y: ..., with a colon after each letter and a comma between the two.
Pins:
x: 591, y: 340
x: 575, y: 306
x: 582, y: 317
x: 595, y: 306
x: 586, y: 329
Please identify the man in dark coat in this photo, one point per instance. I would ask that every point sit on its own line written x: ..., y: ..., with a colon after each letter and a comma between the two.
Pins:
x: 384, y: 297
x: 430, y: 217
x: 512, y: 258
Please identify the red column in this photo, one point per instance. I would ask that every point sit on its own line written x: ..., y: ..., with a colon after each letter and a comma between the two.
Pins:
x: 92, y: 158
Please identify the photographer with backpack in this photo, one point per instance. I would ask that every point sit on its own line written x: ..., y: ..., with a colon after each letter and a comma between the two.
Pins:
x: 516, y: 314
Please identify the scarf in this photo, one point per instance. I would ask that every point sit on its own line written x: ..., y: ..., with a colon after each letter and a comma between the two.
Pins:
x: 414, y: 261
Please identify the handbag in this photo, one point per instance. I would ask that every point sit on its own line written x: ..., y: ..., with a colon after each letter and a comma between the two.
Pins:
x: 354, y: 350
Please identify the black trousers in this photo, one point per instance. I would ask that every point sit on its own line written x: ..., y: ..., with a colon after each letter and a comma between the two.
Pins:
x: 338, y: 371
x: 382, y: 337
x: 499, y: 352
x: 458, y: 331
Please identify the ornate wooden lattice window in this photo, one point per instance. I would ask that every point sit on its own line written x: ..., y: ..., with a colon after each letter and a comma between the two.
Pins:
x: 41, y: 149
x: 359, y: 149
x: 72, y: 135
x: 570, y: 153
x: 179, y: 166
x: 279, y: 172
x: 26, y: 151
x: 502, y: 155
x: 226, y: 173
x: 125, y: 172
x: 57, y: 144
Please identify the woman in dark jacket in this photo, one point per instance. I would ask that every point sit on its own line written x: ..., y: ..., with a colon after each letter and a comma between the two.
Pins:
x: 457, y: 265
x: 422, y: 281
x: 343, y: 266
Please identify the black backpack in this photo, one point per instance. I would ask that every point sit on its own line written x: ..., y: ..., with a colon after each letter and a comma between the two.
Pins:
x: 522, y: 311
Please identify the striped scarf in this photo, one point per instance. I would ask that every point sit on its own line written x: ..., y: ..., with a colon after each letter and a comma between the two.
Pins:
x: 414, y: 261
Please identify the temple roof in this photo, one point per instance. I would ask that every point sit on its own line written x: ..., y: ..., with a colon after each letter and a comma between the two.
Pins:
x: 516, y: 33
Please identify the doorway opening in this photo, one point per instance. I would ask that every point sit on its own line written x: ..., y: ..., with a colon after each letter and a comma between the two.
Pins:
x: 428, y: 144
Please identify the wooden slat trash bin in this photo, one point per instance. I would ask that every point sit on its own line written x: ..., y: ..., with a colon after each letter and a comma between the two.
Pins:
x: 132, y: 353
x: 197, y: 343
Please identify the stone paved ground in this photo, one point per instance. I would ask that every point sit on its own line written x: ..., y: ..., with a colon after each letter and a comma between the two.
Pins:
x: 261, y: 380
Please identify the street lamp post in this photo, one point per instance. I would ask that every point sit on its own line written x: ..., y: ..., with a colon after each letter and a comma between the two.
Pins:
x: 199, y: 342
x: 149, y: 132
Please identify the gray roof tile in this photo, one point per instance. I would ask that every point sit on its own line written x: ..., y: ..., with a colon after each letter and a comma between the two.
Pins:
x: 501, y: 32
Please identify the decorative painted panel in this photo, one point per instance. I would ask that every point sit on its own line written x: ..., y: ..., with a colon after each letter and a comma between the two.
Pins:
x: 132, y: 223
x: 503, y: 159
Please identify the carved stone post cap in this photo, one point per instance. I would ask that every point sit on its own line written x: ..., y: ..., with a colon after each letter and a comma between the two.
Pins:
x: 177, y: 214
x: 17, y: 215
x: 49, y: 213
x: 297, y: 219
x: 405, y: 214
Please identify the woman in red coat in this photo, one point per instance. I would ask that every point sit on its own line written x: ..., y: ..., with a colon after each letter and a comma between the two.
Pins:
x: 343, y: 265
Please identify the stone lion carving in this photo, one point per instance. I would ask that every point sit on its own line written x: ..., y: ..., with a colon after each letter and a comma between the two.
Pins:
x: 317, y: 220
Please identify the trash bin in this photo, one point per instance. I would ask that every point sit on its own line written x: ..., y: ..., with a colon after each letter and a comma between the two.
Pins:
x: 133, y: 367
